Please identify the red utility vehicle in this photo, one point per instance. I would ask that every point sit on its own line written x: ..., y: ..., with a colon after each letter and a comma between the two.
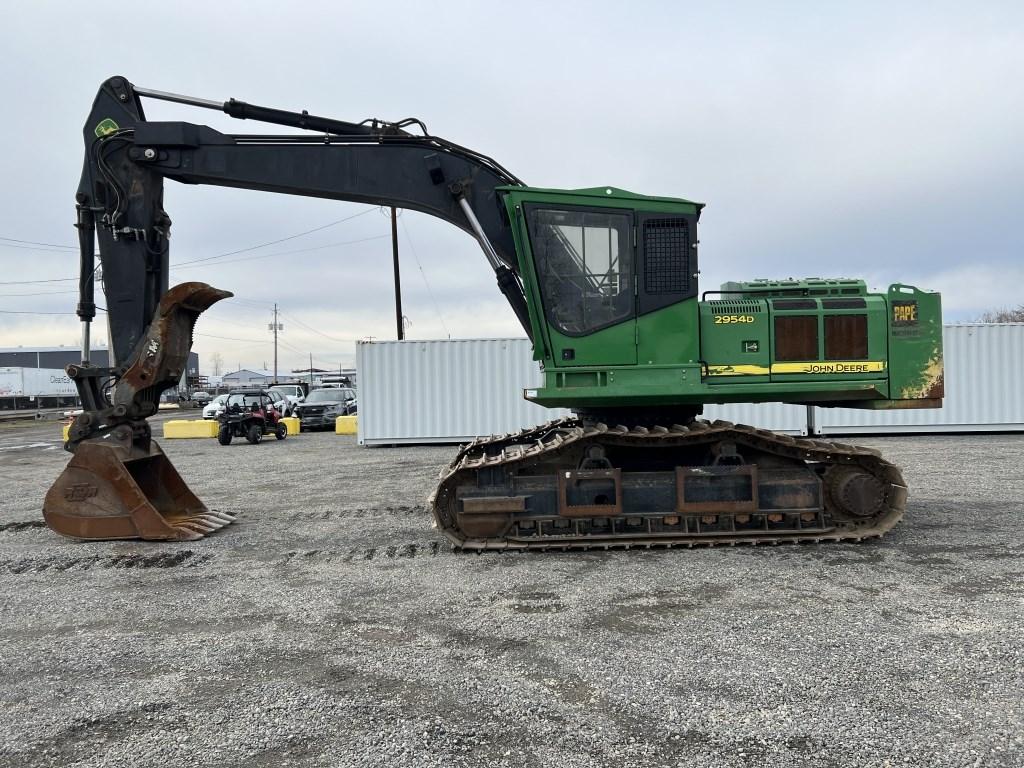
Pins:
x: 250, y: 414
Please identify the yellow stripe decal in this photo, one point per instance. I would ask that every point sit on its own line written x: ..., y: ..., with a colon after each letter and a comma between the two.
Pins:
x: 830, y: 367
x: 738, y: 370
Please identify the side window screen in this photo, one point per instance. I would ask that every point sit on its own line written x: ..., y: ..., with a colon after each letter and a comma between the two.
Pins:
x: 584, y: 263
x: 666, y: 245
x: 846, y: 337
x: 796, y: 337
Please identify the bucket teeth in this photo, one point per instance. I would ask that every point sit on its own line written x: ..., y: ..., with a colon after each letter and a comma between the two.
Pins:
x: 223, y: 517
x: 202, y: 523
x: 98, y: 497
x: 197, y: 524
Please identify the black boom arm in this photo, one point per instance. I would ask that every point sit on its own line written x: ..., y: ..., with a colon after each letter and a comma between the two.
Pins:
x: 127, y: 158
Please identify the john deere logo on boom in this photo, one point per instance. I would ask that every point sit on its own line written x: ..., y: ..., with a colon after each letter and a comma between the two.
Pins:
x: 105, y: 128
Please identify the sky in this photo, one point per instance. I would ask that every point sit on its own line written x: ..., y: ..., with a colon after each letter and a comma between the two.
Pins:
x: 872, y: 140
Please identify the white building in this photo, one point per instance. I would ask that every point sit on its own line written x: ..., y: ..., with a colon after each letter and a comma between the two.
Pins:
x: 248, y: 378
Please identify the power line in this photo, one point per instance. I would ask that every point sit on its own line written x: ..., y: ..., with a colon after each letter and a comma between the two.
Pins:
x: 304, y: 356
x: 292, y: 349
x: 190, y: 265
x: 280, y: 240
x: 423, y: 274
x: 33, y: 282
x: 230, y: 338
x: 33, y: 242
x: 218, y: 319
x: 41, y: 293
x: 297, y: 351
x: 39, y: 248
x: 253, y: 304
x: 15, y: 312
x: 25, y: 243
x: 314, y: 330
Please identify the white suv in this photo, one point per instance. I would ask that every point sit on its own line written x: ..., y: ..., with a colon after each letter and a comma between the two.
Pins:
x: 284, y: 400
x: 293, y: 393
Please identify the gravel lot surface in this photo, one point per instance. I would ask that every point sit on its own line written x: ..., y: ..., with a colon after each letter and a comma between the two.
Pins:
x: 331, y: 626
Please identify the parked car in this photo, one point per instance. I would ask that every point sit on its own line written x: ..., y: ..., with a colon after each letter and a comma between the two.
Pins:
x: 296, y: 392
x: 322, y: 406
x: 283, y: 400
x: 201, y: 397
x: 215, y: 407
x: 250, y: 414
x: 280, y: 401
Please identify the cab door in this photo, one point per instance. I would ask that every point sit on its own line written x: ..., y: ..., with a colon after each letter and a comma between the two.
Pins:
x: 585, y: 263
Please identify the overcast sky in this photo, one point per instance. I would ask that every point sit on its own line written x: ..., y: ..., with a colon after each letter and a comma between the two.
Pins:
x: 873, y: 140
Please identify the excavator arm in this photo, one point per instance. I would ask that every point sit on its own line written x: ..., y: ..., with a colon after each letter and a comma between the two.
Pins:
x: 119, y: 484
x: 127, y: 158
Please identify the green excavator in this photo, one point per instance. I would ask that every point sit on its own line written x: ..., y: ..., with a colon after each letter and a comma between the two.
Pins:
x: 604, y: 283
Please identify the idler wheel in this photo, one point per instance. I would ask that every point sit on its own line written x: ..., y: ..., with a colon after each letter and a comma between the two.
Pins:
x: 855, y: 492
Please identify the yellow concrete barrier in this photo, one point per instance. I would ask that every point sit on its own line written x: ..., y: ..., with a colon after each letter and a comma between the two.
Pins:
x: 292, y: 422
x: 345, y: 425
x: 191, y: 428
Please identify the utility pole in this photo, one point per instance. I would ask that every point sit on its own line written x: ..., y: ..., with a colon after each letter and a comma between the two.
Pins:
x: 275, y: 327
x: 310, y: 371
x: 398, y: 282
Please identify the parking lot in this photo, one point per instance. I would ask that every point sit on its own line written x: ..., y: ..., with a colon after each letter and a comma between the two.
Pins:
x: 332, y: 626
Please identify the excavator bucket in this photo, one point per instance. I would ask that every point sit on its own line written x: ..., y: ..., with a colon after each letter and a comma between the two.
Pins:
x: 110, y: 490
x: 119, y: 484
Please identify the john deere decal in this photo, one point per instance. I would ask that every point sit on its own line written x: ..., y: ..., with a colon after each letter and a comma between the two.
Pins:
x: 106, y: 127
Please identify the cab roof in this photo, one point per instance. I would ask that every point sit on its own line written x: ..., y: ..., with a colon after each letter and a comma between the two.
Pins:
x: 602, y: 193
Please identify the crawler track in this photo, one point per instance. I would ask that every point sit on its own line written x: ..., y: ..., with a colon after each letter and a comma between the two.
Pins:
x: 537, y: 455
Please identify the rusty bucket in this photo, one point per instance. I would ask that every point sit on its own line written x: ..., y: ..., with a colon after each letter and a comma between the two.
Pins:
x: 114, y: 490
x: 119, y: 484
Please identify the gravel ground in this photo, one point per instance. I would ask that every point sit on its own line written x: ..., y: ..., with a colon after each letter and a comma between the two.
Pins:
x: 331, y: 626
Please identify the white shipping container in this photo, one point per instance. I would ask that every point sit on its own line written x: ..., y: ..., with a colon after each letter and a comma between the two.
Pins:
x: 984, y: 368
x: 452, y: 391
x: 35, y: 382
x: 447, y: 391
x: 778, y: 417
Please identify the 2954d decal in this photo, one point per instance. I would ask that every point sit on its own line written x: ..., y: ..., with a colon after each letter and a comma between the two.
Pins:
x: 728, y: 319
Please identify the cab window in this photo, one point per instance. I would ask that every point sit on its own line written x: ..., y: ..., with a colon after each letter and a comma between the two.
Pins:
x: 584, y: 265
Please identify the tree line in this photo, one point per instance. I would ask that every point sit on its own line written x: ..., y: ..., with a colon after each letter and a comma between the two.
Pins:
x: 1004, y: 315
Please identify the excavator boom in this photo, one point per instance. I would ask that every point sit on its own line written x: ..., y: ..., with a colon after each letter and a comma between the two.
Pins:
x: 374, y: 162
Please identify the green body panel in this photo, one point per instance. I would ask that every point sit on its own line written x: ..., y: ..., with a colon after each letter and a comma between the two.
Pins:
x: 846, y: 367
x: 814, y: 341
x: 666, y: 337
x: 735, y: 340
x: 915, y: 344
x: 615, y: 345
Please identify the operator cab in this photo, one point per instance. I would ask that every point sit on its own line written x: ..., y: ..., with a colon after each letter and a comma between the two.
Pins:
x: 600, y: 260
